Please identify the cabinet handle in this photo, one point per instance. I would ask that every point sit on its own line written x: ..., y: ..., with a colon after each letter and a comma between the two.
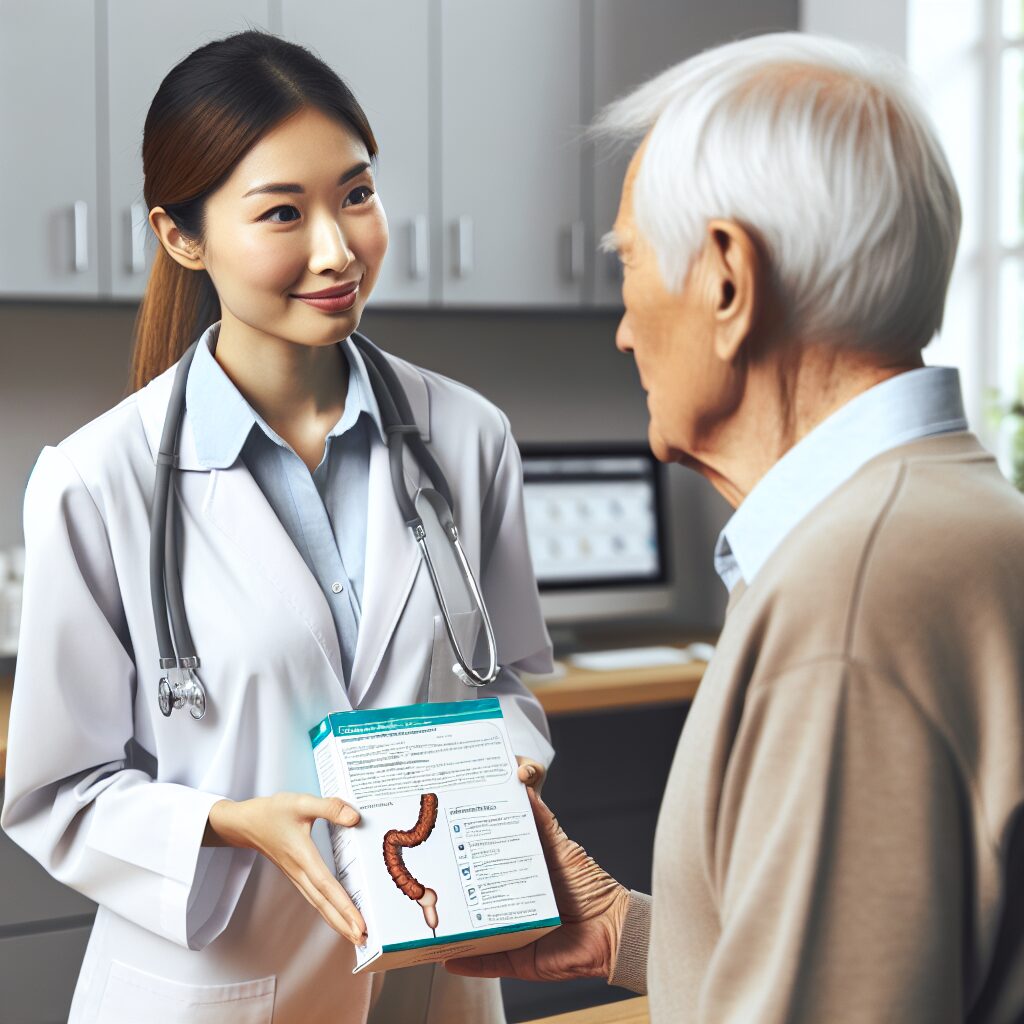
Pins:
x: 137, y: 238
x: 577, y: 238
x: 464, y: 246
x: 418, y: 247
x: 81, y: 236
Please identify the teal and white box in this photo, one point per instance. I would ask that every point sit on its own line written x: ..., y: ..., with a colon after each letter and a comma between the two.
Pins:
x: 446, y: 860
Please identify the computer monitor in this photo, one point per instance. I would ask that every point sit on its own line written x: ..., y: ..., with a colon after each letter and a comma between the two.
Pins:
x: 595, y: 517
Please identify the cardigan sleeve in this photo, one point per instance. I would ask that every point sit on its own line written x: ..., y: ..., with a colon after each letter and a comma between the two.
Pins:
x: 629, y: 969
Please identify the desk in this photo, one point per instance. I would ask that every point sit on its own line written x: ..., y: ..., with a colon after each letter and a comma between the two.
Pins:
x: 583, y: 690
x: 6, y: 690
x: 627, y: 1011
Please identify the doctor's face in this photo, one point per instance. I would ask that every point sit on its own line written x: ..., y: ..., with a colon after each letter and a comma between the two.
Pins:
x: 298, y: 214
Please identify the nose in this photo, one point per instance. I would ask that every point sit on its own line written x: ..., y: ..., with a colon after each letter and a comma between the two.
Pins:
x: 329, y: 249
x: 624, y: 335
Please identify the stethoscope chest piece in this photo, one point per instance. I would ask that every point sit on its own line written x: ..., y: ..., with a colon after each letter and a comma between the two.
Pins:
x: 186, y: 692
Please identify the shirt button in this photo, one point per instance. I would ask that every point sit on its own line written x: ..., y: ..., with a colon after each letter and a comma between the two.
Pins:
x: 337, y: 588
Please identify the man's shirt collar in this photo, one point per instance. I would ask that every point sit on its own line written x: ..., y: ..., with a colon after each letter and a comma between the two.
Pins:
x: 905, y: 408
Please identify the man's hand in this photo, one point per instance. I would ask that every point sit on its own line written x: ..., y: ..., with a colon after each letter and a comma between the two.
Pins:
x: 592, y: 906
x: 531, y: 772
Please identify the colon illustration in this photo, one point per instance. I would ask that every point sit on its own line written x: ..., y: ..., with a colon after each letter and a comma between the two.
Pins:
x: 395, y: 841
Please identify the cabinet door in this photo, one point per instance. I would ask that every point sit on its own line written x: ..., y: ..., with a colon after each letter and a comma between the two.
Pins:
x: 144, y: 42
x: 38, y: 974
x: 634, y: 42
x: 510, y: 153
x: 48, y: 156
x: 381, y: 51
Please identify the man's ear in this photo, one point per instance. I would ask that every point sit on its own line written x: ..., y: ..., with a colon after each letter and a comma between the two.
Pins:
x: 736, y: 267
x: 182, y: 249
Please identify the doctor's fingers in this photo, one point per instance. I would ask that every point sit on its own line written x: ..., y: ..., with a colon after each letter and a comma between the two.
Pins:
x: 332, y: 808
x: 326, y: 895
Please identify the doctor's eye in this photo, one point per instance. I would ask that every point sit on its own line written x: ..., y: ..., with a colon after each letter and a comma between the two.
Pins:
x: 359, y: 196
x: 269, y: 214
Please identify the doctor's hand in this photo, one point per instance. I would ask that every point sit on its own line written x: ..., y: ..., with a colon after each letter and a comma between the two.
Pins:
x: 279, y: 827
x: 592, y: 906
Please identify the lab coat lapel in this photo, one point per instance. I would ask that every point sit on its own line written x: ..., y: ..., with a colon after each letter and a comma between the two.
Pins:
x: 392, y: 555
x: 236, y: 506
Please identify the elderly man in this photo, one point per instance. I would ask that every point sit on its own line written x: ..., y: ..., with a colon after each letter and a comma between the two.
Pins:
x: 842, y: 834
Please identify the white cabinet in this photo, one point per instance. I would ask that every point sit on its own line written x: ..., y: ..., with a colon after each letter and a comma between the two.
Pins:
x: 633, y: 42
x: 144, y: 41
x: 479, y: 108
x: 48, y: 237
x: 381, y: 52
x: 510, y: 167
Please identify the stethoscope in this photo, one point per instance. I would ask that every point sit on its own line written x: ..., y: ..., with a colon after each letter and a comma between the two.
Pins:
x: 180, y: 686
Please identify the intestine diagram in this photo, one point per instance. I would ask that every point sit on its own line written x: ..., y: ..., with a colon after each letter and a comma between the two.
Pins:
x: 395, y: 841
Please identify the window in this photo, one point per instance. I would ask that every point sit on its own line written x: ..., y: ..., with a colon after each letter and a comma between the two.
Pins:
x: 1006, y: 151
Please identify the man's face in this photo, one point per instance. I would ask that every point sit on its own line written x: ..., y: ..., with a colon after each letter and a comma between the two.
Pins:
x: 670, y: 336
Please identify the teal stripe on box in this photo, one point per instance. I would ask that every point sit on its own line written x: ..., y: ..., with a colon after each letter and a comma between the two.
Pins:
x: 408, y: 716
x: 320, y: 731
x: 444, y: 940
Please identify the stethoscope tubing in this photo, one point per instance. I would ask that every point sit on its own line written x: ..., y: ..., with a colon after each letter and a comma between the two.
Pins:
x: 178, y: 658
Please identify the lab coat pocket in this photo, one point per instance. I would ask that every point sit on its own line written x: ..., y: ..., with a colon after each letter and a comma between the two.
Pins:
x: 133, y: 995
x: 442, y: 683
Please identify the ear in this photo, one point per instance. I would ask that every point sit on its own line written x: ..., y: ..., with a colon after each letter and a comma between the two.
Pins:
x: 737, y: 270
x: 182, y: 249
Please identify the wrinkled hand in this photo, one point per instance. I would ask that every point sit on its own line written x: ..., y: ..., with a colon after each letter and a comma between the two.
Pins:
x: 592, y: 906
x: 279, y: 827
x: 531, y: 772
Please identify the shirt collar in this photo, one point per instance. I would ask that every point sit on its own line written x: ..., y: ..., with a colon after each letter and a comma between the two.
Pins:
x: 222, y: 419
x: 904, y: 408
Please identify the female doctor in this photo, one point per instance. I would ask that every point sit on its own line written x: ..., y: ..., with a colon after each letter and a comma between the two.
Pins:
x: 201, y: 841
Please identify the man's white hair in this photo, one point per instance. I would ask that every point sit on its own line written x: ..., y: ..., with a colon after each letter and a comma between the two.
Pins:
x: 822, y: 150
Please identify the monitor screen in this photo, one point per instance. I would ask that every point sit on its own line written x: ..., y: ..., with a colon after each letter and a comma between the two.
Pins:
x: 594, y: 516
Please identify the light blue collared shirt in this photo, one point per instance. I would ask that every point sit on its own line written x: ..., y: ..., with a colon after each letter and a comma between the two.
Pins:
x: 323, y: 512
x: 904, y: 408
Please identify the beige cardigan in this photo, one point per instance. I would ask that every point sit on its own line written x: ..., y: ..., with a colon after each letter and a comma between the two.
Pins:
x: 842, y: 833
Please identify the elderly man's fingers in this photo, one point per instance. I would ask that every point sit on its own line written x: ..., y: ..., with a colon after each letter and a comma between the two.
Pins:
x: 491, y: 965
x: 551, y: 833
x: 531, y: 772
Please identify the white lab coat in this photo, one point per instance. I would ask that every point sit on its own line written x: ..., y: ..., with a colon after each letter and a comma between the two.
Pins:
x: 112, y: 798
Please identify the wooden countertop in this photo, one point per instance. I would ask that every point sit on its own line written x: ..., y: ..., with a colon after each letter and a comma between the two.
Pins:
x: 627, y: 1011
x: 578, y: 691
x: 6, y: 690
x: 581, y: 690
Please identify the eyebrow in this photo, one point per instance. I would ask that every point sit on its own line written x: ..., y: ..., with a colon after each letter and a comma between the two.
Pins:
x: 610, y: 242
x: 292, y: 189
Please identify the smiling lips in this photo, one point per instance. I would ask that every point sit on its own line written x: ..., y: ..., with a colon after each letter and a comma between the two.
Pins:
x: 331, y: 300
x: 329, y: 293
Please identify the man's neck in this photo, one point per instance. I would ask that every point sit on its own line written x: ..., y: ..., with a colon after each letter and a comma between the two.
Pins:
x: 795, y: 392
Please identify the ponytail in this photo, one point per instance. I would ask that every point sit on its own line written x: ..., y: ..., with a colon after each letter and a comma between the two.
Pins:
x: 178, y: 305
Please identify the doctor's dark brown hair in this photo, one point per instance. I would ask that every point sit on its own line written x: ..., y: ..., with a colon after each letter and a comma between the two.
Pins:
x: 209, y: 111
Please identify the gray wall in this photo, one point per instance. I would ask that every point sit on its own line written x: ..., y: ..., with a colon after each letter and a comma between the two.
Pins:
x: 558, y: 376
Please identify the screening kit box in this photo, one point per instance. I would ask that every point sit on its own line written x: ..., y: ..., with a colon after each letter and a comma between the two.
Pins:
x: 446, y: 860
